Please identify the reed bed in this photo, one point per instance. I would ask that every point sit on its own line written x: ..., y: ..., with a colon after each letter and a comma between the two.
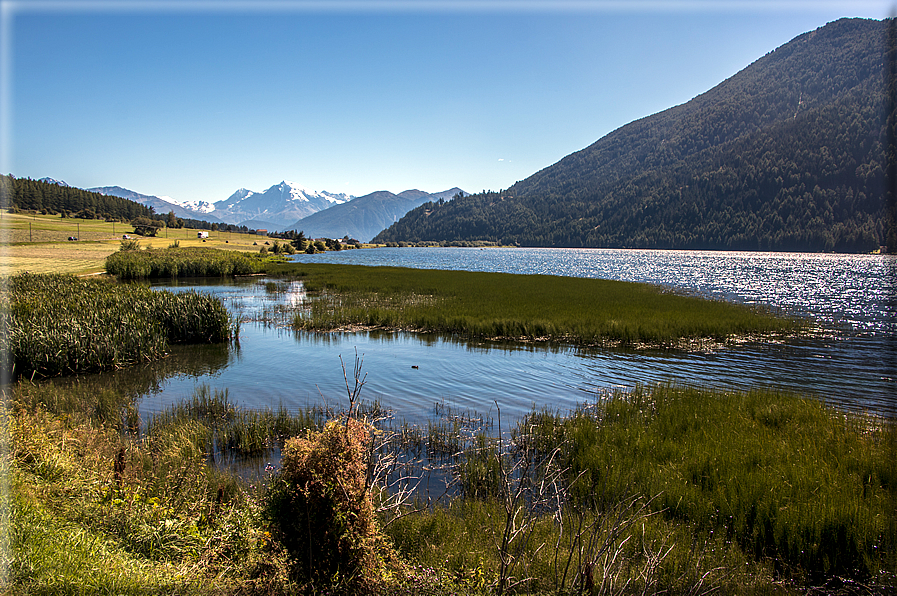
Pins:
x: 180, y: 262
x: 528, y: 307
x: 801, y: 490
x: 235, y: 430
x: 60, y: 324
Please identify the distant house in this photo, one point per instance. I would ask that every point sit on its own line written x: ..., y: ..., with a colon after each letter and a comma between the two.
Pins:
x: 262, y: 232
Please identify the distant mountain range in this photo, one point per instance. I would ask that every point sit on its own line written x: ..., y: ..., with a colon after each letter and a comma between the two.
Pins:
x: 365, y: 217
x: 791, y: 153
x: 272, y: 209
x: 288, y: 206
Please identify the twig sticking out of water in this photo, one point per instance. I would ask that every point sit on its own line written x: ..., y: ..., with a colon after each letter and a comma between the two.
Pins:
x: 359, y: 382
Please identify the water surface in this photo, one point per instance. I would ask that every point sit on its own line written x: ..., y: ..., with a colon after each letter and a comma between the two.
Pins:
x: 852, y: 366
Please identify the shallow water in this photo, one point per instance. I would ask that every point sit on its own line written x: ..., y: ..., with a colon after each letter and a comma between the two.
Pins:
x: 851, y: 367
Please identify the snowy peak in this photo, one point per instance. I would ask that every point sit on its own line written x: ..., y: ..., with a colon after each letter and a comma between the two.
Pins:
x: 280, y: 204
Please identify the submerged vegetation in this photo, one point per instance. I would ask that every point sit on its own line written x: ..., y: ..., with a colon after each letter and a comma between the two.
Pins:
x: 528, y: 307
x: 61, y: 324
x: 663, y: 488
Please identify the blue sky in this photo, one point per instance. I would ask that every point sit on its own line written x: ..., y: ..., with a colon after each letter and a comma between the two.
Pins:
x: 196, y: 99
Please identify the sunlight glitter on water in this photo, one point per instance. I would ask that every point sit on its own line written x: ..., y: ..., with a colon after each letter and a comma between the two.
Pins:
x: 851, y: 366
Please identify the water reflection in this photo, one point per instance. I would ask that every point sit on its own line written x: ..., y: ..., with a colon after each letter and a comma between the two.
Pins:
x: 150, y: 378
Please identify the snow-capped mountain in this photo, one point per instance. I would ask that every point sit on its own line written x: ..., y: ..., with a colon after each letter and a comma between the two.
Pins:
x: 281, y: 204
x: 194, y: 205
x: 288, y: 206
x: 274, y: 208
x: 159, y: 204
x: 53, y: 181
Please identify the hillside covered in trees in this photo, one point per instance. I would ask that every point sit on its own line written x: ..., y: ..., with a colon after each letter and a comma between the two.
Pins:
x: 69, y: 201
x: 795, y: 152
x: 37, y: 195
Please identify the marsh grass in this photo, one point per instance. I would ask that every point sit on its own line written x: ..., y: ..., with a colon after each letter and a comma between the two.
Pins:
x: 61, y: 324
x: 793, y: 484
x: 665, y: 488
x: 180, y: 262
x: 528, y: 307
x: 235, y: 430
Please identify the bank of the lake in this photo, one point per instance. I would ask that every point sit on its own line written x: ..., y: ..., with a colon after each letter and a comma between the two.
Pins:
x: 683, y: 488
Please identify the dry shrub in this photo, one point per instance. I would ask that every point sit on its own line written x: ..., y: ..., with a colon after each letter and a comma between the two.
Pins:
x: 319, y: 507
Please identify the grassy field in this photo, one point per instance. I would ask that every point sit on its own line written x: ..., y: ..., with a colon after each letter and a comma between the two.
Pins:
x: 39, y: 243
x: 528, y: 307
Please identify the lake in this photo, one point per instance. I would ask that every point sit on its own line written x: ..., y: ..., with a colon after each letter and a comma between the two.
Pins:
x: 851, y: 365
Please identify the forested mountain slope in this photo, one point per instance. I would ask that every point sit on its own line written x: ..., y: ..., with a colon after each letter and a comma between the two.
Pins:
x: 38, y: 195
x: 791, y: 153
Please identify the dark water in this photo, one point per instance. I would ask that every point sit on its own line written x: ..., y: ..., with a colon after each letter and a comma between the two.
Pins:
x: 852, y: 366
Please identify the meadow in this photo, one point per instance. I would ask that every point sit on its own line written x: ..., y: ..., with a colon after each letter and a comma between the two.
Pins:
x: 39, y: 243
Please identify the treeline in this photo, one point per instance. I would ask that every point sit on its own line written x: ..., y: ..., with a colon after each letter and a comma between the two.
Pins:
x: 35, y: 195
x: 54, y: 199
x: 792, y: 153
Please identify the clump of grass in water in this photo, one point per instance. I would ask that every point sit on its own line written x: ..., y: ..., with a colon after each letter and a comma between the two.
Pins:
x: 234, y: 429
x: 61, y: 324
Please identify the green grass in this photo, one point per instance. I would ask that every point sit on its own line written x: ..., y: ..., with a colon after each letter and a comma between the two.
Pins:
x: 673, y: 488
x: 181, y: 262
x: 531, y: 307
x: 745, y: 490
x: 235, y: 430
x: 60, y: 324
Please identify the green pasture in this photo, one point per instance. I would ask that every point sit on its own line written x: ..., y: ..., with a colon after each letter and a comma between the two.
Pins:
x: 39, y: 243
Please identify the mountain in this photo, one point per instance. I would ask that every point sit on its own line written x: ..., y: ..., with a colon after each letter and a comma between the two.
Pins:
x: 788, y: 154
x: 53, y: 181
x: 364, y: 217
x: 158, y: 204
x: 272, y: 209
x: 281, y: 204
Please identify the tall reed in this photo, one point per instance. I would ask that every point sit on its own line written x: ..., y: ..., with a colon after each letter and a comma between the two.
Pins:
x: 180, y: 262
x: 61, y: 324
